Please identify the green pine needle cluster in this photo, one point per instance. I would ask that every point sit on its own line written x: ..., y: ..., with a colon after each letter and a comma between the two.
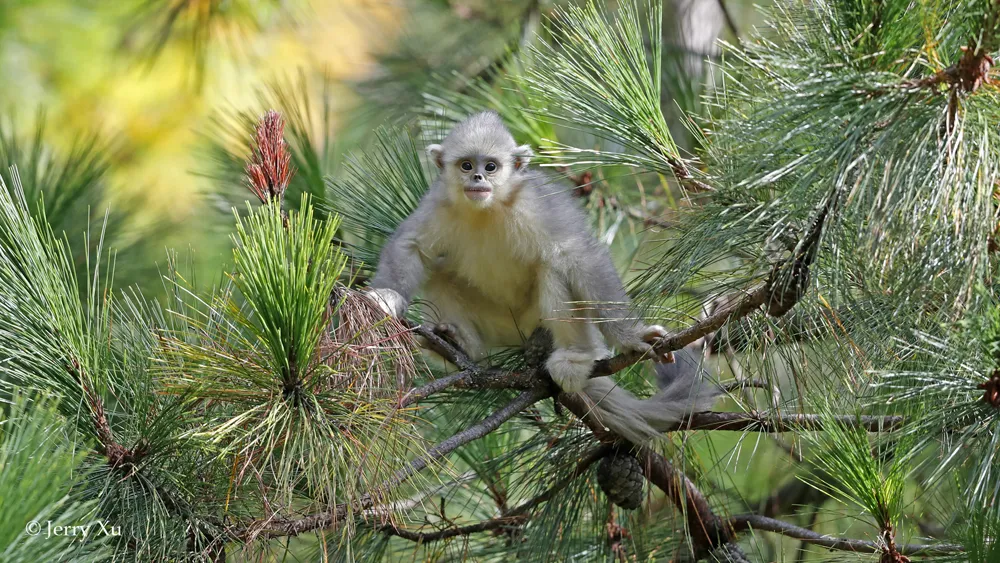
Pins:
x: 597, y: 74
x: 34, y: 455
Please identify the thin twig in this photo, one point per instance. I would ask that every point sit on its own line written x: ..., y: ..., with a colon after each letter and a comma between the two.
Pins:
x: 744, y: 522
x: 453, y: 531
x: 420, y: 393
x: 784, y: 423
x: 686, y: 179
x: 476, y: 377
x: 740, y: 307
x: 741, y: 384
x: 445, y: 349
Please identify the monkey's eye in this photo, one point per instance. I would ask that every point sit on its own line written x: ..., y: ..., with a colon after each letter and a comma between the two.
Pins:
x: 491, y: 166
x: 467, y: 166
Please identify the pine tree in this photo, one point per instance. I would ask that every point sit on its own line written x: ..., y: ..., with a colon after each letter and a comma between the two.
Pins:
x: 828, y: 248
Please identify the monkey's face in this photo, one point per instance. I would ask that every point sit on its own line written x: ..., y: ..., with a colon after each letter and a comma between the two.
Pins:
x: 480, y: 164
x: 482, y: 179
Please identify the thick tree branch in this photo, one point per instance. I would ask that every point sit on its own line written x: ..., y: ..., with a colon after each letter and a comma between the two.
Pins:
x: 706, y: 529
x: 475, y: 377
x: 745, y: 522
x: 292, y: 527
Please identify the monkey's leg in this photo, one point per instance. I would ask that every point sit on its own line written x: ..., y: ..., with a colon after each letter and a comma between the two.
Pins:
x: 578, y: 343
x: 454, y: 315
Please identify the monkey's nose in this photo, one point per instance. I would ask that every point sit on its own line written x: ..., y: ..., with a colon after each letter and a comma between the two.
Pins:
x: 477, y: 177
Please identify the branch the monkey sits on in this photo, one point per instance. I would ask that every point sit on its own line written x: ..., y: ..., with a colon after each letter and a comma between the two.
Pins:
x: 499, y: 250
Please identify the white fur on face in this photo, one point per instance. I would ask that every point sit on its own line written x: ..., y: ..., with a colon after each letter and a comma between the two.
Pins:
x: 502, y: 183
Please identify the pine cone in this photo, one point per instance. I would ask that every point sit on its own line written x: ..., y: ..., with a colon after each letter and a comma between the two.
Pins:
x: 620, y: 477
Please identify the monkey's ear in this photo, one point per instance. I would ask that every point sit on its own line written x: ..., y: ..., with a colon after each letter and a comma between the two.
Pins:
x: 437, y: 155
x: 522, y: 156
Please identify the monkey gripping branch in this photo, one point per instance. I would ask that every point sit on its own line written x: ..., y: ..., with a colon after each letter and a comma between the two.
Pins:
x: 484, y: 171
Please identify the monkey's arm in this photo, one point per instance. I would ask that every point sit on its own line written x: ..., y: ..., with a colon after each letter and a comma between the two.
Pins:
x: 400, y: 269
x: 594, y: 280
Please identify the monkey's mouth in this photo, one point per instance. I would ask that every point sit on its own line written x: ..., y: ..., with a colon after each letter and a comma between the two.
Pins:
x: 477, y: 193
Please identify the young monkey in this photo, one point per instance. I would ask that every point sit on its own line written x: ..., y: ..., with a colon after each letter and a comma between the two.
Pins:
x: 498, y: 251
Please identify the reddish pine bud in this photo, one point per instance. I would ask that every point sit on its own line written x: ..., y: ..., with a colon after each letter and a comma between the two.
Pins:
x: 269, y: 169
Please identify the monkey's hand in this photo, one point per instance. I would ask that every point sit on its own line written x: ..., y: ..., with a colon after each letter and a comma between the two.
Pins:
x: 389, y: 300
x: 646, y: 340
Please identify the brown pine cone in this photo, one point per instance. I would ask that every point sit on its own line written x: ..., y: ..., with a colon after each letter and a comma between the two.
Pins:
x: 620, y: 477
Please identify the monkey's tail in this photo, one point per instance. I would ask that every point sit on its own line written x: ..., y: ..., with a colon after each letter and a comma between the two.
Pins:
x: 639, y: 420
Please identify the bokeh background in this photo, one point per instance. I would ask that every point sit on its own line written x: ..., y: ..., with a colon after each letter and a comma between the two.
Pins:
x: 143, y: 102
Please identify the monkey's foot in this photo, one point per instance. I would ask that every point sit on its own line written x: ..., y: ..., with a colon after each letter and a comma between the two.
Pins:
x: 570, y: 369
x: 390, y: 301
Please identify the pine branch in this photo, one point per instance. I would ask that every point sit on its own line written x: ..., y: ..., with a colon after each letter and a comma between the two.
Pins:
x: 973, y: 68
x: 724, y: 421
x: 270, y: 528
x: 117, y: 455
x: 484, y: 526
x: 746, y: 522
x: 708, y: 531
x: 784, y: 423
x: 705, y: 527
x: 513, y: 517
x: 738, y: 308
x: 475, y: 377
x: 444, y: 348
x: 420, y: 393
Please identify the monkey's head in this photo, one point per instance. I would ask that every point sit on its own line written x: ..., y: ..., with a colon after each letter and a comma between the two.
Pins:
x: 479, y: 161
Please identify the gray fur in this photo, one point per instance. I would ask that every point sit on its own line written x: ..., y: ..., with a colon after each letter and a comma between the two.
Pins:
x: 639, y: 421
x: 499, y: 253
